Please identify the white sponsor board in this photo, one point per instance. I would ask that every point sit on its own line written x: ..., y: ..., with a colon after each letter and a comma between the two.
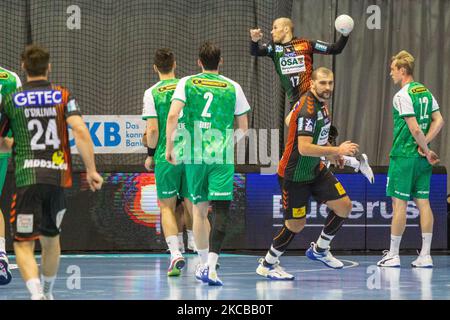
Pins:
x: 114, y: 133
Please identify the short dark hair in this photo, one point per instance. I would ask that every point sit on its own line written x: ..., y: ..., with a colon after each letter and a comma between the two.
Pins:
x: 35, y: 59
x: 164, y: 60
x: 209, y: 55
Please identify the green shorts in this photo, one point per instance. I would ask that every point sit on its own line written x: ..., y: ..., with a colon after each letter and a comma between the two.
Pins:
x: 170, y: 180
x: 409, y: 177
x: 3, y: 170
x: 210, y: 182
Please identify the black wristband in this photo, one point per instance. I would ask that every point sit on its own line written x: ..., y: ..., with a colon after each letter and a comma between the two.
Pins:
x: 151, y: 152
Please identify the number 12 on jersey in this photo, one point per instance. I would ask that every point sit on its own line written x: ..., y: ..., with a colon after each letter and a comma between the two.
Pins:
x: 423, y: 108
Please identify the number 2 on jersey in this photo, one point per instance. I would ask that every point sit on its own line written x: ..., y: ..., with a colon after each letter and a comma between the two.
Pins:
x: 209, y: 99
x: 51, y: 134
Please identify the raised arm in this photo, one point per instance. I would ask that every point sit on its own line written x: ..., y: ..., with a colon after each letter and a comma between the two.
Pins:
x: 322, y: 47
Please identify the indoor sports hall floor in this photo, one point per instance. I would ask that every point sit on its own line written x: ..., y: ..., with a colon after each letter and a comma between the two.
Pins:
x: 143, y: 276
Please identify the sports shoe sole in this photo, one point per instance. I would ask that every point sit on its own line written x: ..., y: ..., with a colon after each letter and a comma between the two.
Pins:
x: 176, y: 270
x: 422, y: 267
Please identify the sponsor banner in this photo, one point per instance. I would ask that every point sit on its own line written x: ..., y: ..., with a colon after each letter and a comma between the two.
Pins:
x: 368, y: 226
x: 114, y: 133
x: 289, y: 65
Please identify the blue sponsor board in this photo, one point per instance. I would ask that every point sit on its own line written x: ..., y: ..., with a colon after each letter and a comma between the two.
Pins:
x: 368, y: 226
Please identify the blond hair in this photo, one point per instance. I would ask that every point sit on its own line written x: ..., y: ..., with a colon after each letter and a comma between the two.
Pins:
x: 405, y: 60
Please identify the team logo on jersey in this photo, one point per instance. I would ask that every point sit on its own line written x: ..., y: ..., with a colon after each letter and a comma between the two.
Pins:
x: 289, y: 51
x: 169, y: 87
x: 209, y: 83
x: 279, y: 49
x: 323, y: 136
x: 58, y: 157
x: 289, y: 65
x: 320, y: 46
x: 298, y: 212
x: 37, y: 98
x: 319, y: 115
x: 309, y: 125
x: 4, y: 75
x: 340, y: 189
x: 302, y: 46
x: 419, y: 90
x: 300, y: 124
x: 72, y: 106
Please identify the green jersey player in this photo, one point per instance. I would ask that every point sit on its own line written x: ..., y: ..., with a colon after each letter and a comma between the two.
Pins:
x: 211, y: 103
x: 417, y: 121
x: 170, y: 179
x: 9, y: 82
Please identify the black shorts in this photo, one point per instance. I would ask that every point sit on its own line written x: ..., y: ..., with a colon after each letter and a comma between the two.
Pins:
x: 37, y: 210
x: 295, y: 195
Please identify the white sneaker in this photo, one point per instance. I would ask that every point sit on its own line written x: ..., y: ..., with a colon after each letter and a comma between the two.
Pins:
x: 365, y: 168
x: 423, y: 262
x: 389, y: 260
x: 325, y: 257
x: 273, y: 272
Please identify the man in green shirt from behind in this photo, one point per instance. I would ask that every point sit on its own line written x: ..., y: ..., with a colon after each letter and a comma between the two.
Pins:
x: 211, y: 103
x: 170, y: 179
x: 417, y: 121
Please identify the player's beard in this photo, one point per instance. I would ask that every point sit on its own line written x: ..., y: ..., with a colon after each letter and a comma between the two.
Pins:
x: 324, y: 95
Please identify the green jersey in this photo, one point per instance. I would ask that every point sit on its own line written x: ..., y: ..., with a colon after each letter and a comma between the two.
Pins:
x: 157, y: 101
x: 211, y: 103
x: 9, y: 82
x: 413, y: 100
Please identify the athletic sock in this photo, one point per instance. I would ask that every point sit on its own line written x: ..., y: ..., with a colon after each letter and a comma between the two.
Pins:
x: 272, y: 257
x: 323, y: 242
x: 426, y: 244
x: 395, y: 244
x: 213, y: 258
x: 203, y: 254
x: 47, y: 284
x: 2, y: 244
x: 172, y: 243
x: 190, y: 235
x: 35, y: 288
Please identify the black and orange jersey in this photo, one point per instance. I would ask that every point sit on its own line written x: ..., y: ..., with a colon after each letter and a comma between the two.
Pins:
x: 294, y: 61
x: 36, y: 115
x: 310, y: 117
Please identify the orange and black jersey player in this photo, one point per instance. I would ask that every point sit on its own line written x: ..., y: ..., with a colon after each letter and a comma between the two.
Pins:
x: 310, y: 117
x: 294, y: 61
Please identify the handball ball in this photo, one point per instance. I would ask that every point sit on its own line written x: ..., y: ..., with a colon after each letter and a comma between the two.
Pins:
x: 344, y: 24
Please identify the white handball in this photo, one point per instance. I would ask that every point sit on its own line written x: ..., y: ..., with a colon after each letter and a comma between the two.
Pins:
x: 344, y: 24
